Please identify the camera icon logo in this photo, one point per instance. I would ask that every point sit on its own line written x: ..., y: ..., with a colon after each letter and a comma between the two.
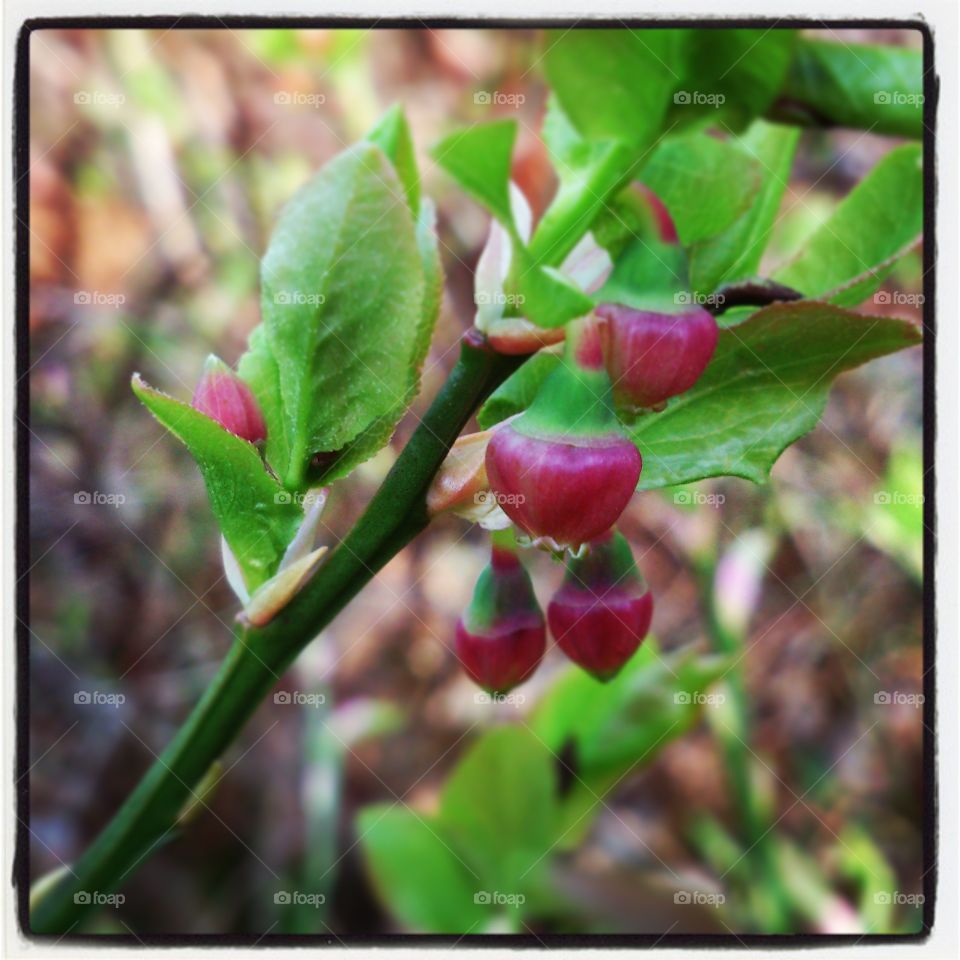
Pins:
x: 82, y: 297
x: 82, y: 97
x: 482, y: 98
x: 282, y: 897
x: 82, y: 696
x: 681, y: 97
x: 81, y: 897
x: 283, y: 697
x: 282, y: 97
x: 482, y: 897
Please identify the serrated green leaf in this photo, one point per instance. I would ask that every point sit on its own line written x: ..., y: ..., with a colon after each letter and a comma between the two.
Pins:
x: 392, y: 135
x: 614, y: 84
x: 479, y: 159
x: 342, y: 300
x: 766, y: 386
x: 875, y: 88
x: 378, y: 434
x: 417, y: 873
x: 257, y: 518
x: 877, y: 223
x: 704, y: 183
x: 735, y: 252
x: 499, y: 806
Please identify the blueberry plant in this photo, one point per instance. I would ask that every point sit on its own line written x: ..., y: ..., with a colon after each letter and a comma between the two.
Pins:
x: 624, y: 342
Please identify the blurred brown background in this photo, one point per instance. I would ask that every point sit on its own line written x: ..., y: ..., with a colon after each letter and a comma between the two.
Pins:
x: 159, y: 160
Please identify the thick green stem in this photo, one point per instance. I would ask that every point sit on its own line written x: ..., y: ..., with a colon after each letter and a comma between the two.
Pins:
x: 394, y: 517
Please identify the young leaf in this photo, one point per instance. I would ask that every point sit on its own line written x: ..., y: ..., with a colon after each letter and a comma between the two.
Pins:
x: 733, y: 75
x: 614, y: 84
x: 417, y: 872
x: 766, y: 386
x: 379, y: 432
x: 257, y: 517
x: 705, y: 183
x: 392, y: 135
x: 549, y: 298
x: 258, y: 368
x: 343, y: 294
x: 649, y: 275
x: 734, y: 253
x: 499, y: 805
x: 878, y: 222
x: 876, y: 88
x: 479, y: 158
x: 589, y: 176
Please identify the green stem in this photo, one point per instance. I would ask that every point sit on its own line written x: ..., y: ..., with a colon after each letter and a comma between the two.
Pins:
x: 738, y: 761
x: 396, y: 514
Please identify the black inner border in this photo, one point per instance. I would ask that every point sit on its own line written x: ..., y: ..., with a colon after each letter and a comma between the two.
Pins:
x: 21, y: 157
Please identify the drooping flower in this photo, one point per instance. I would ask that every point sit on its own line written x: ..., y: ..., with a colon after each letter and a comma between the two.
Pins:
x: 564, y: 470
x: 652, y: 356
x: 501, y: 637
x: 602, y: 612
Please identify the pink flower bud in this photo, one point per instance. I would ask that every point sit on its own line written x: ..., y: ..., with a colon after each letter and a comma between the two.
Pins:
x: 501, y: 637
x: 602, y: 612
x: 224, y: 397
x: 654, y: 356
x: 565, y: 470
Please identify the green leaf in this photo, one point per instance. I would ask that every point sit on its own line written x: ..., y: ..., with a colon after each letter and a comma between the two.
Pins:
x: 732, y: 75
x: 257, y: 517
x: 878, y: 222
x: 589, y: 176
x: 705, y: 183
x: 875, y: 88
x: 735, y: 253
x: 547, y: 297
x: 516, y: 393
x: 499, y: 806
x: 624, y: 721
x: 343, y: 294
x: 392, y: 135
x: 766, y: 386
x: 614, y: 84
x: 417, y: 873
x: 479, y: 159
x: 258, y: 368
x: 378, y: 434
